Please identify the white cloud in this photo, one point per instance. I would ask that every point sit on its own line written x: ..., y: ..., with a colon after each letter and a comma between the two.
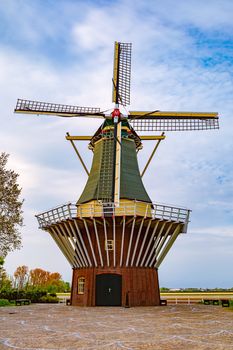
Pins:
x: 222, y: 232
x: 209, y: 14
x: 190, y: 169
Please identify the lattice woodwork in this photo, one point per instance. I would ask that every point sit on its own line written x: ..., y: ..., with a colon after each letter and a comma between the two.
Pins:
x: 166, y: 124
x: 44, y: 107
x: 122, y: 73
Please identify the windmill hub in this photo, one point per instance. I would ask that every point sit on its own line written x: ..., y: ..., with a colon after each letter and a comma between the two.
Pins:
x: 116, y: 115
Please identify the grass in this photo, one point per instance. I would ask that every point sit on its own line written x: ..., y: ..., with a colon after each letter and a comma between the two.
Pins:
x: 5, y: 302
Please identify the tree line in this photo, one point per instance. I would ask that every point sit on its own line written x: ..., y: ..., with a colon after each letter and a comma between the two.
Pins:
x: 25, y: 279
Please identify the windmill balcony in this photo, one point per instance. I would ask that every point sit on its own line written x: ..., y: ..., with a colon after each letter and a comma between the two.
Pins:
x: 126, y: 208
x: 135, y: 234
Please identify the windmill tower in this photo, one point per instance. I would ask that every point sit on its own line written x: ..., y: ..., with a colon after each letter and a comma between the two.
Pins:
x: 115, y: 237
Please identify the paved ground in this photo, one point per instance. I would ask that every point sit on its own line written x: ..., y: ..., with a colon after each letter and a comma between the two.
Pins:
x: 180, y: 327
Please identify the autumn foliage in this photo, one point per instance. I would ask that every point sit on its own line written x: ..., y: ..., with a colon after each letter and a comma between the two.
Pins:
x: 39, y: 278
x: 21, y: 277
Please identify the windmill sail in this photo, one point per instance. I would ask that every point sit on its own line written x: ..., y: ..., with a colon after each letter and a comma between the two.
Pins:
x: 122, y: 73
x: 60, y: 110
x: 173, y: 121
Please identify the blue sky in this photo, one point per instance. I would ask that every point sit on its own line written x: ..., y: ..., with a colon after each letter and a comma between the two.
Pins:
x: 62, y: 51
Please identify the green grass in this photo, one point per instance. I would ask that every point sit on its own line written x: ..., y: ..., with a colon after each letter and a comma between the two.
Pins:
x: 5, y: 302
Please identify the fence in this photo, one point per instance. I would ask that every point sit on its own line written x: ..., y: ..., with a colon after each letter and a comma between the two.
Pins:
x: 152, y: 210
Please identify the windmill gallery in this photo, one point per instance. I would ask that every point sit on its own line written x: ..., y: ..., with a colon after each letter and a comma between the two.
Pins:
x: 115, y: 237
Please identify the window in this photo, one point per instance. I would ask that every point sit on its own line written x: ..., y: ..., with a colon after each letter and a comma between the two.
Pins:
x: 109, y: 244
x: 81, y: 284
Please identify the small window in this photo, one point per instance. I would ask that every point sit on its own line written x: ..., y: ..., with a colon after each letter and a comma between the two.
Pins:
x: 81, y: 284
x: 109, y: 244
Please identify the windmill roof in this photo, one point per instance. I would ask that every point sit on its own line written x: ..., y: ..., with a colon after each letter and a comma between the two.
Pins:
x: 99, y: 183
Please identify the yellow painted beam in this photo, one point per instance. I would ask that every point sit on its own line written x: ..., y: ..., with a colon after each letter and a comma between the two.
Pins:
x: 153, y: 152
x: 118, y: 167
x: 60, y: 114
x: 115, y: 72
x: 78, y: 154
x: 142, y: 137
x: 151, y: 137
x: 78, y: 138
x: 168, y: 114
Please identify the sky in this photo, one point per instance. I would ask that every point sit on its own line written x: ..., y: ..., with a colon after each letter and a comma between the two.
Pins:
x: 182, y: 60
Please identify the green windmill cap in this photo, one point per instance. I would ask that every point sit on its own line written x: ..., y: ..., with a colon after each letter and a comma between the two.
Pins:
x: 99, y: 183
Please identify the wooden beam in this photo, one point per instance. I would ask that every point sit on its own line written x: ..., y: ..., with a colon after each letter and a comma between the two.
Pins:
x: 98, y: 242
x: 137, y: 240
x: 143, y: 242
x: 90, y: 242
x: 122, y: 240
x: 152, y: 155
x: 152, y: 250
x: 78, y: 138
x: 152, y: 137
x: 130, y: 241
x: 142, y: 137
x: 168, y: 245
x: 159, y: 245
x: 84, y: 260
x: 172, y: 114
x: 150, y: 241
x: 106, y: 238
x: 79, y: 156
x: 82, y: 241
x: 56, y: 238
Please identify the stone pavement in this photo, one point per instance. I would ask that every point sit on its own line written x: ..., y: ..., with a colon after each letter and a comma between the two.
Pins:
x: 180, y: 327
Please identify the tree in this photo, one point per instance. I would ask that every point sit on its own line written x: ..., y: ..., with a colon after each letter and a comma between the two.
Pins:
x: 21, y: 277
x: 2, y: 271
x: 38, y: 277
x: 42, y: 278
x: 5, y: 282
x: 50, y: 281
x: 10, y: 208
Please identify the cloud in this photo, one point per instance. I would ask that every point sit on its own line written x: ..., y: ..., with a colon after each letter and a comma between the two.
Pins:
x: 222, y: 232
x: 68, y: 59
x: 207, y: 15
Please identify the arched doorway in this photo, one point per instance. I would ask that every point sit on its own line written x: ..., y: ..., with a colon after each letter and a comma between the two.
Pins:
x: 108, y: 289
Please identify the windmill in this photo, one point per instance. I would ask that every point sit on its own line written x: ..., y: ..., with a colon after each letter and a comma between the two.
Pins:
x: 114, y: 237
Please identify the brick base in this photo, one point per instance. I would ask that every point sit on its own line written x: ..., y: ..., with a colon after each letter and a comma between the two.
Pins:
x: 141, y: 284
